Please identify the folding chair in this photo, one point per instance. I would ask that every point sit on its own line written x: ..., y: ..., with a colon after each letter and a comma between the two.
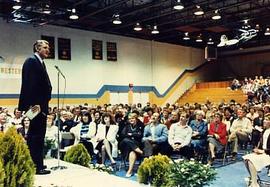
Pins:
x: 64, y: 137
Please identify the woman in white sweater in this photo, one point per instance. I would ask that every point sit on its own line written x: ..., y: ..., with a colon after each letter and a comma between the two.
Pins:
x: 106, y: 138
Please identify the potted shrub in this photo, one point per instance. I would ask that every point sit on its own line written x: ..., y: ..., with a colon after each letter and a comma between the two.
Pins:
x: 78, y: 154
x: 17, y: 163
x: 153, y: 169
x: 185, y: 173
x: 2, y: 174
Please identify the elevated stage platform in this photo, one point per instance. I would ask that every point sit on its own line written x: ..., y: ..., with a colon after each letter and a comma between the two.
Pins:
x: 78, y: 176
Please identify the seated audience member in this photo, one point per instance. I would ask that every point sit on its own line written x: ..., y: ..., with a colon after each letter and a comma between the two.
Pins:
x: 85, y: 132
x: 240, y: 131
x: 69, y: 122
x: 77, y: 115
x: 23, y: 130
x: 165, y: 117
x: 106, y: 138
x: 260, y: 157
x: 130, y: 145
x: 17, y: 119
x: 235, y: 84
x: 147, y: 115
x: 174, y: 118
x: 97, y: 117
x: 155, y: 137
x: 257, y: 128
x: 199, y: 133
x: 217, y: 137
x: 228, y: 118
x: 52, y: 134
x: 62, y: 118
x: 180, y: 137
x: 4, y: 125
x: 252, y: 114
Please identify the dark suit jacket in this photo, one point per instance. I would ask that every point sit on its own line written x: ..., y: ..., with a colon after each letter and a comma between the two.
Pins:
x: 36, y: 86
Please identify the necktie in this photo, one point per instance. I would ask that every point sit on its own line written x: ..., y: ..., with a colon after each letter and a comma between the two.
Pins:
x: 2, y: 128
x: 43, y: 64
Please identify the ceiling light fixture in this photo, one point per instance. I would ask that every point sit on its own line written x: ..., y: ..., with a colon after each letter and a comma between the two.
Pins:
x: 155, y: 30
x: 245, y: 25
x: 210, y: 41
x: 73, y: 14
x: 116, y: 19
x: 199, y: 38
x: 199, y: 11
x: 46, y: 9
x: 267, y: 32
x: 186, y: 37
x: 137, y: 27
x: 178, y: 5
x: 257, y: 27
x: 17, y: 5
x: 216, y: 15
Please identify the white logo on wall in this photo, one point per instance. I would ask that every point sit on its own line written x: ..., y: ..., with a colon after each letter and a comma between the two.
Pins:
x: 2, y: 59
x: 9, y: 70
x: 243, y: 37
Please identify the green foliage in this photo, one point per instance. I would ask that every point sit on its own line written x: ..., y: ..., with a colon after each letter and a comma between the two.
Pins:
x: 2, y: 174
x: 102, y: 167
x: 17, y: 162
x: 78, y: 154
x: 189, y: 174
x: 48, y: 145
x: 153, y: 169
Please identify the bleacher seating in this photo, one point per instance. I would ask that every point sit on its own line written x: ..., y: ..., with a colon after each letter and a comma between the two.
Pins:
x: 215, y: 92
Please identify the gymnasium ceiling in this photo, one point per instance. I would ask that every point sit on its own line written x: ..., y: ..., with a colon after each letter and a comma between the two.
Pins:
x: 97, y: 15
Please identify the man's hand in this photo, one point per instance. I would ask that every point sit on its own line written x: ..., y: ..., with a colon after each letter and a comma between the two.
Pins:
x: 35, y: 108
x: 258, y: 151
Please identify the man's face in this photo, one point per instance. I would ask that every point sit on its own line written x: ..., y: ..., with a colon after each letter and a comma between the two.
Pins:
x: 18, y: 114
x: 174, y: 116
x: 44, y: 50
x: 240, y: 113
x: 3, y: 118
x: 155, y: 117
x: 132, y: 120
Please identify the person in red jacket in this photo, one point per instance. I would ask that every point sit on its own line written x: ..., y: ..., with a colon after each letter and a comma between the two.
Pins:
x: 217, y: 136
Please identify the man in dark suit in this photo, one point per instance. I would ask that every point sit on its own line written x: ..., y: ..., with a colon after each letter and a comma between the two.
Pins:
x: 36, y: 93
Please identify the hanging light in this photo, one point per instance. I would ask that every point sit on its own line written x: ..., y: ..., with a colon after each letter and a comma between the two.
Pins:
x: 46, y: 9
x: 257, y: 27
x: 186, y: 37
x: 137, y: 27
x: 216, y: 15
x: 155, y: 30
x: 116, y: 19
x: 267, y: 32
x: 210, y: 41
x: 199, y: 11
x: 178, y: 5
x: 17, y: 5
x: 246, y: 25
x: 73, y: 14
x: 199, y: 38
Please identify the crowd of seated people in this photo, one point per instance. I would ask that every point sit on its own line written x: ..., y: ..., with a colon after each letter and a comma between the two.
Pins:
x: 134, y: 131
x: 257, y: 89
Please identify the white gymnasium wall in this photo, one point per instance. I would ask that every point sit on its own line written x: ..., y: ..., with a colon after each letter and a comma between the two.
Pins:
x: 141, y: 62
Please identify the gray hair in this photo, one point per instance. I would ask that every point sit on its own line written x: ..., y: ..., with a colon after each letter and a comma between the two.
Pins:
x: 38, y: 44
